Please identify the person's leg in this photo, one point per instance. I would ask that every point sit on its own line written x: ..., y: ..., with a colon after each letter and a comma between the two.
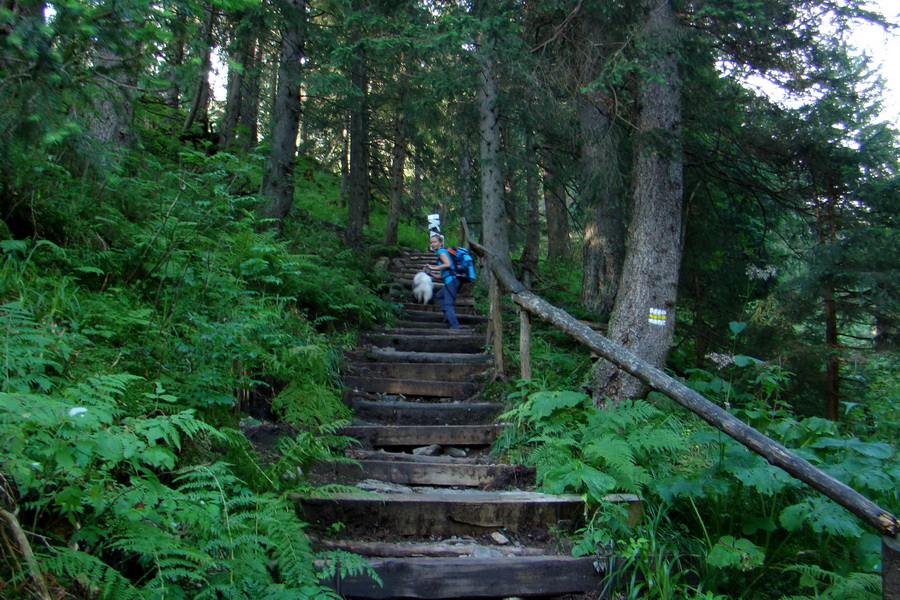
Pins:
x: 446, y: 298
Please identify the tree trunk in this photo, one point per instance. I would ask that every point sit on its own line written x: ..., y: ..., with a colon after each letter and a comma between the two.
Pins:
x: 602, y: 189
x: 200, y: 105
x: 398, y: 166
x: 117, y: 66
x: 359, y: 156
x: 493, y: 212
x: 643, y: 319
x: 345, y: 163
x: 531, y: 251
x: 240, y: 76
x: 557, y: 213
x: 465, y: 181
x: 833, y: 359
x: 278, y: 181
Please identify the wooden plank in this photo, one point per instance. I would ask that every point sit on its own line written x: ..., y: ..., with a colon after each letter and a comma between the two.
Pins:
x: 391, y: 355
x: 419, y: 371
x: 458, y: 390
x: 373, y: 436
x: 435, y: 549
x: 435, y: 474
x: 434, y: 329
x: 425, y: 413
x: 358, y: 454
x: 438, y: 317
x: 471, y: 577
x: 442, y: 513
x: 459, y: 342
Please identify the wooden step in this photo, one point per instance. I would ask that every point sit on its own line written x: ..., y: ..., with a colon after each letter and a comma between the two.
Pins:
x: 473, y: 577
x: 462, y: 304
x: 424, y: 413
x: 441, y: 474
x: 438, y: 317
x: 420, y: 371
x: 381, y: 436
x: 457, y: 390
x: 442, y: 512
x: 436, y: 329
x: 449, y: 548
x: 459, y: 342
x: 392, y: 355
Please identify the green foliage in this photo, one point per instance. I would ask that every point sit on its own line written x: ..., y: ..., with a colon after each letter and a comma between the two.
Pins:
x: 579, y: 448
x: 131, y: 343
x: 650, y: 565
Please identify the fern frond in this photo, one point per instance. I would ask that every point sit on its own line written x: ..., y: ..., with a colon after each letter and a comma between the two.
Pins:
x: 91, y: 572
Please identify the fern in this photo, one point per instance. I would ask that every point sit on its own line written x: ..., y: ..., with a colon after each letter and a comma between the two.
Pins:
x: 90, y: 572
x: 831, y: 586
x: 579, y: 448
x: 32, y: 355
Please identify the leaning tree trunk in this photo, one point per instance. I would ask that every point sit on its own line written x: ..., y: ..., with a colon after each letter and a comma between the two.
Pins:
x: 278, y: 182
x: 643, y: 318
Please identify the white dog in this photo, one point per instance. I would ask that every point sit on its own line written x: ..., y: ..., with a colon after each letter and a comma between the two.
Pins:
x: 423, y: 287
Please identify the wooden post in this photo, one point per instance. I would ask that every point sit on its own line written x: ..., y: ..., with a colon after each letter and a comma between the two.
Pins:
x: 890, y: 568
x: 525, y: 335
x: 495, y: 328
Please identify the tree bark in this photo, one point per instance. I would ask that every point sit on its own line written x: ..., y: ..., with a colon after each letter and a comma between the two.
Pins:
x: 531, y: 251
x: 200, y: 104
x: 465, y: 182
x: 493, y: 212
x: 557, y: 214
x: 117, y: 66
x: 359, y: 153
x: 643, y: 319
x: 602, y: 189
x: 398, y: 167
x: 278, y: 181
x: 241, y: 74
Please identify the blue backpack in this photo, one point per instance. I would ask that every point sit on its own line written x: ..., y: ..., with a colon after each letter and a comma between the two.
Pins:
x: 463, y: 264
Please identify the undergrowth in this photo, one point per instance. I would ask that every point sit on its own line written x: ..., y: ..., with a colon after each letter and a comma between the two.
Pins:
x: 140, y: 323
x: 718, y: 520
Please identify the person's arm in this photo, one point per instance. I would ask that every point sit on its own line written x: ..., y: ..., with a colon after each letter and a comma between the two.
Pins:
x: 445, y: 263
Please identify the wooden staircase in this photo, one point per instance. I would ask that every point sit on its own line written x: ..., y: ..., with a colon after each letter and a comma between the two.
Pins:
x: 437, y: 516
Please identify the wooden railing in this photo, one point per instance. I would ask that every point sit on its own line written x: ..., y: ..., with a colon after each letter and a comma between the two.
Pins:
x: 531, y: 304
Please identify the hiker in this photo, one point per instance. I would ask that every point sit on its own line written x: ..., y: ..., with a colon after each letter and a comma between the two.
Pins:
x: 446, y: 297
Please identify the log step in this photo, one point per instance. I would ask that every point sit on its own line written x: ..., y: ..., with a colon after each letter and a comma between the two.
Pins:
x: 392, y: 355
x: 424, y: 413
x: 411, y: 387
x: 381, y: 436
x: 454, y: 547
x: 443, y: 513
x: 446, y: 474
x: 459, y: 342
x: 419, y: 371
x: 438, y: 317
x: 473, y: 577
x: 434, y: 329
